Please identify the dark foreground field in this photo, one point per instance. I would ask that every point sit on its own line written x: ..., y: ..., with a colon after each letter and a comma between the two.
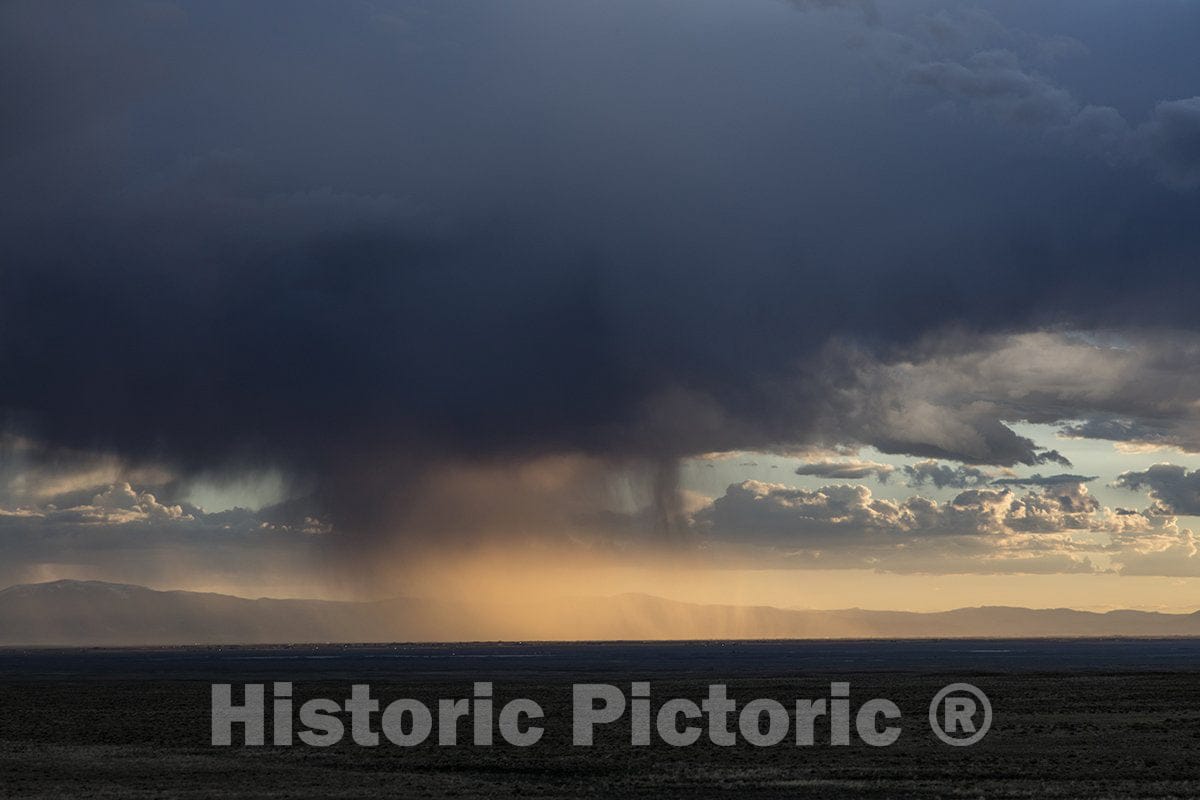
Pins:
x: 1072, y: 719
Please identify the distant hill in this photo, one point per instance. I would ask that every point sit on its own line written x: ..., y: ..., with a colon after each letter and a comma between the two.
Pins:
x: 97, y: 613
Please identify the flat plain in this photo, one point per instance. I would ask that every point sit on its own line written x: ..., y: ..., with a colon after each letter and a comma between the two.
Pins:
x: 1072, y: 719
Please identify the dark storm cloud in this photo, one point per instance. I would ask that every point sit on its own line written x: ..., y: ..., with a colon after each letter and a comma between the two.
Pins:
x: 350, y: 240
x: 996, y: 81
x: 867, y: 8
x: 1173, y: 136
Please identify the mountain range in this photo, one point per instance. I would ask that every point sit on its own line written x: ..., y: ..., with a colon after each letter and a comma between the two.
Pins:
x: 95, y: 613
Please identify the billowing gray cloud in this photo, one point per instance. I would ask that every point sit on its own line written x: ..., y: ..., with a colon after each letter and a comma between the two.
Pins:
x: 980, y: 530
x: 843, y: 511
x: 943, y: 475
x: 1150, y: 542
x: 126, y: 534
x: 1132, y: 432
x: 952, y: 396
x: 1053, y: 529
x: 1174, y: 488
x: 847, y: 470
x: 1037, y: 479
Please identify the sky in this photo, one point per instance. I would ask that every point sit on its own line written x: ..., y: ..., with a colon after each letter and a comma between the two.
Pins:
x: 809, y: 303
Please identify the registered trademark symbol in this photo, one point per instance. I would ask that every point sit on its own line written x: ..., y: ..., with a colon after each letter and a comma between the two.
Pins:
x: 952, y: 714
